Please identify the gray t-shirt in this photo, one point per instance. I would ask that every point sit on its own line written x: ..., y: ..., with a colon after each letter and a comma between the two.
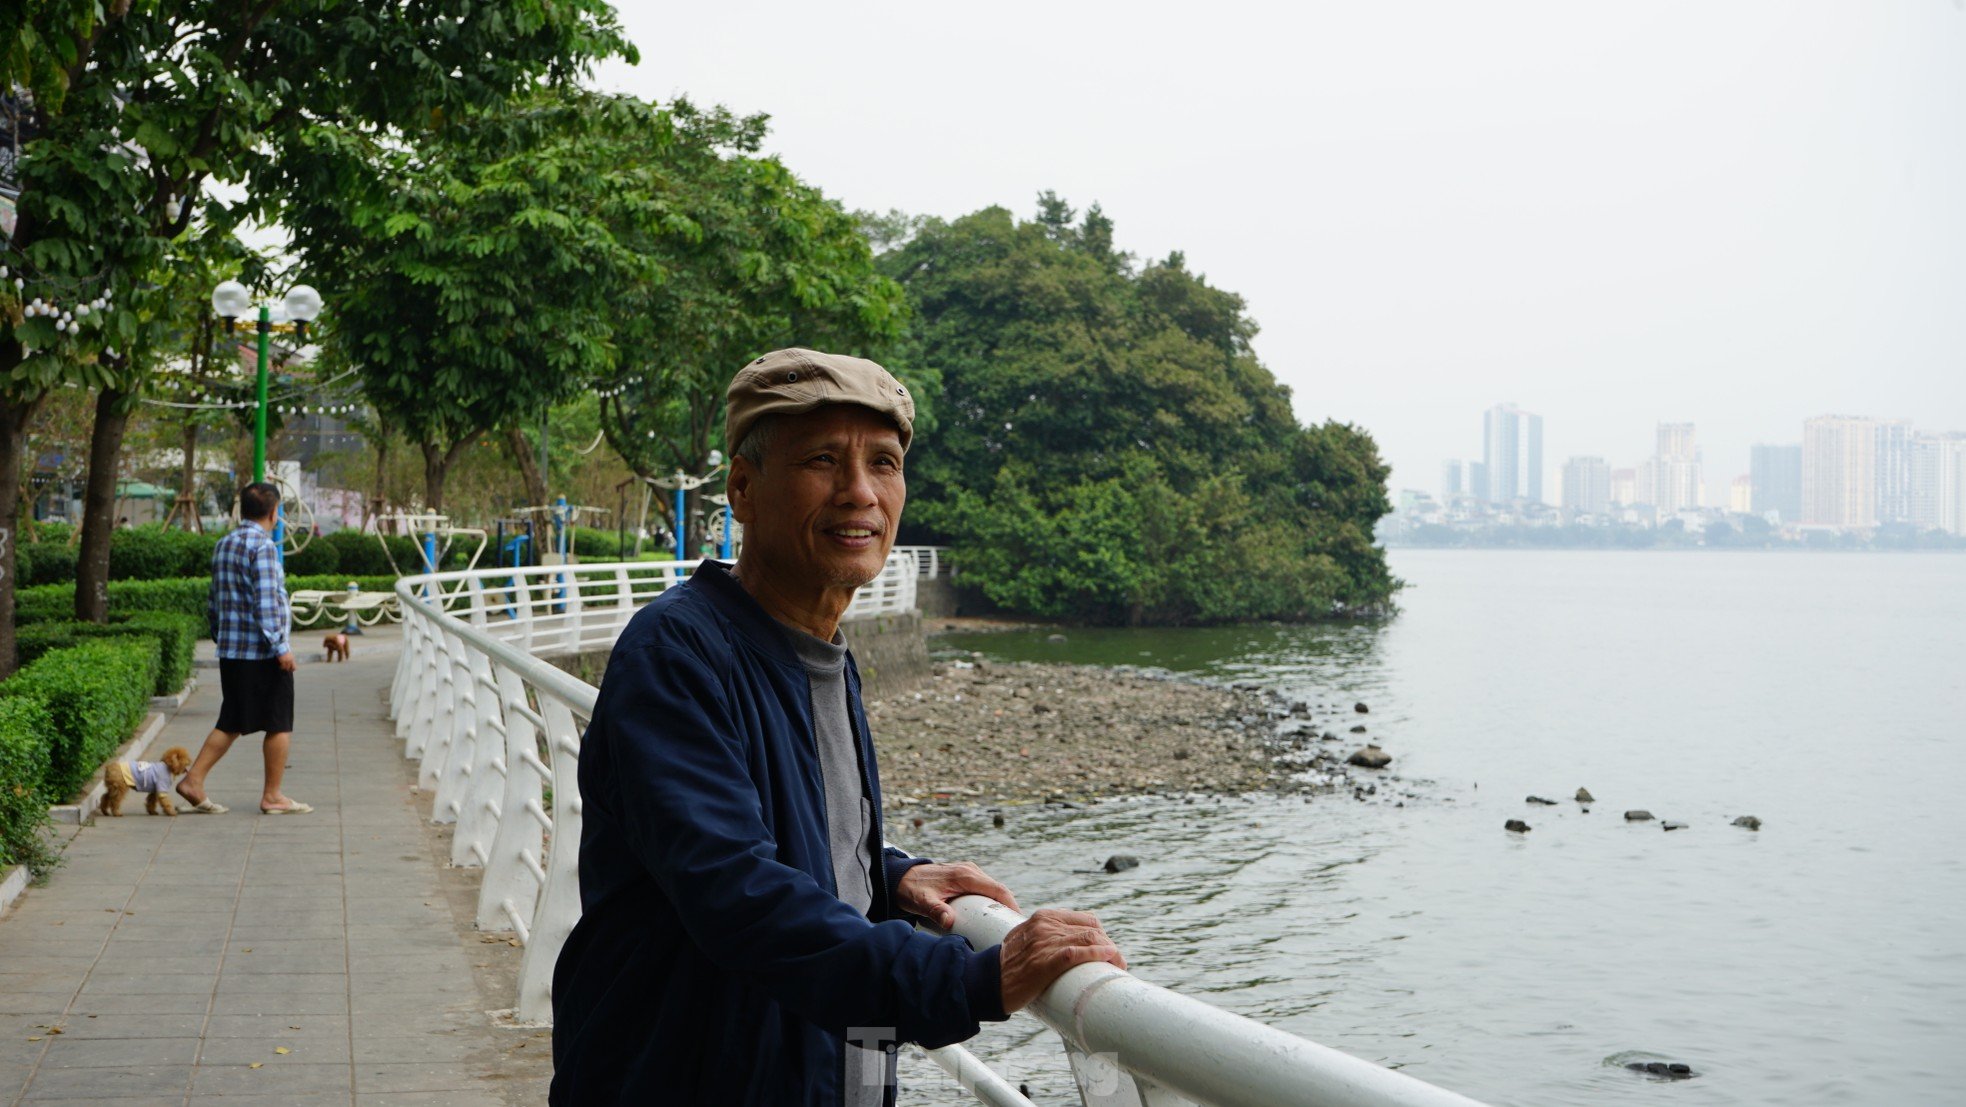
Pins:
x: 849, y: 820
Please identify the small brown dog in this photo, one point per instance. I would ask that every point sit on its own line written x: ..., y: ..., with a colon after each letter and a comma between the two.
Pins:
x: 153, y: 778
x: 337, y: 646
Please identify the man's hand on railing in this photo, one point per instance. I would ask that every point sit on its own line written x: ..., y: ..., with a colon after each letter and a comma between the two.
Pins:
x: 926, y: 890
x: 1039, y: 950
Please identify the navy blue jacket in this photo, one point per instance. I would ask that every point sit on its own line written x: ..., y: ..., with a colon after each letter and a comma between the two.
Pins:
x: 713, y: 961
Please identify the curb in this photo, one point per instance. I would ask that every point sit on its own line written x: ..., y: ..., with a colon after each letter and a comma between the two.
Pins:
x: 12, y: 884
x: 82, y: 811
x: 175, y: 702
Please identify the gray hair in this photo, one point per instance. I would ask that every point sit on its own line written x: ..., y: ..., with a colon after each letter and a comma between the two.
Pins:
x: 758, y: 439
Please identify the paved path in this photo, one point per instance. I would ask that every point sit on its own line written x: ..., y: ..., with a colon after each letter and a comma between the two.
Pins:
x: 175, y: 955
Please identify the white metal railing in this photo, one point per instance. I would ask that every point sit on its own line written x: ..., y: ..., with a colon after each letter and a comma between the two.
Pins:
x: 496, y: 730
x: 928, y: 560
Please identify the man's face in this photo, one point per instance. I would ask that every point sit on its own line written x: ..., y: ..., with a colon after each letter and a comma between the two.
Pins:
x: 821, y: 512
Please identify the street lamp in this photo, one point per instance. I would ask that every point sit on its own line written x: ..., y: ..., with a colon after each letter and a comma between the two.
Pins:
x: 302, y: 305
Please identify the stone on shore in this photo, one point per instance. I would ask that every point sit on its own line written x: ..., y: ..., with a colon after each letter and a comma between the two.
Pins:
x: 1361, y: 708
x: 1516, y: 825
x: 1359, y: 729
x: 1638, y: 816
x: 1584, y: 796
x: 1120, y: 862
x: 1371, y: 757
x: 1748, y: 822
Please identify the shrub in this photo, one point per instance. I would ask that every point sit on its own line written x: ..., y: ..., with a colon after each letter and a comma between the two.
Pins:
x: 148, y: 552
x: 314, y: 559
x: 95, y: 694
x: 176, y: 636
x: 50, y: 563
x: 597, y: 545
x: 24, y: 730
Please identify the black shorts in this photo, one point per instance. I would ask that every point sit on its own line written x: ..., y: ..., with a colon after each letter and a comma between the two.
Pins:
x: 258, y: 695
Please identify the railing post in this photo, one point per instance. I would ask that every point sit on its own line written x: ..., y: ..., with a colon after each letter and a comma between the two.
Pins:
x: 559, y: 901
x: 431, y: 733
x: 510, y: 890
x: 484, y: 786
x: 452, y: 772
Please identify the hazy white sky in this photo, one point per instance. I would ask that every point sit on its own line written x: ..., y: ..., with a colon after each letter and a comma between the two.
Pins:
x: 1734, y: 213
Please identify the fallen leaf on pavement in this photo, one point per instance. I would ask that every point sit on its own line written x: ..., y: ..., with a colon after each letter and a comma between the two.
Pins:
x: 282, y: 1050
x: 254, y: 1065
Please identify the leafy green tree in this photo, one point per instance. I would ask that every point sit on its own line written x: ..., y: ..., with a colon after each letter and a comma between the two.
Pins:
x: 1108, y: 447
x: 752, y: 259
x: 480, y: 273
x: 126, y: 112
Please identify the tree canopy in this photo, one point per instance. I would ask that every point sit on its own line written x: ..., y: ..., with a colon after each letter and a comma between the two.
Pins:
x: 1108, y: 447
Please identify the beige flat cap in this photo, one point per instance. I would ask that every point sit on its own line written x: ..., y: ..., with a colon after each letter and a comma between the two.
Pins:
x: 795, y: 380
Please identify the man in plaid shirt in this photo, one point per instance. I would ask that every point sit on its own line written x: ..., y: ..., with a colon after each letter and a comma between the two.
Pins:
x: 249, y: 621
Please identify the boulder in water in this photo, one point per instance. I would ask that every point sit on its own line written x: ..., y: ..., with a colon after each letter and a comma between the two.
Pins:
x: 1584, y: 796
x: 1670, y: 825
x: 1516, y: 825
x: 1359, y: 729
x: 1748, y: 822
x: 1540, y: 800
x: 1637, y: 816
x: 1361, y: 708
x: 1671, y: 1070
x: 1120, y: 862
x: 1371, y: 757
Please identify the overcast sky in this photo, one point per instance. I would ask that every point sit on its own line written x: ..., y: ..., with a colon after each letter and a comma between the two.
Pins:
x: 1737, y: 214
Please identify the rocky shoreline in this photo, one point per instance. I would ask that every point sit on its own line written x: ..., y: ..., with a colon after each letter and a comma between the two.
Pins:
x: 983, y: 732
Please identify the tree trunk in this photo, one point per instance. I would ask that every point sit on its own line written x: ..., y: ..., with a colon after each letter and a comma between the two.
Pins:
x: 375, y: 505
x: 435, y: 462
x: 14, y: 416
x: 188, y: 481
x: 99, y: 506
x: 523, y: 453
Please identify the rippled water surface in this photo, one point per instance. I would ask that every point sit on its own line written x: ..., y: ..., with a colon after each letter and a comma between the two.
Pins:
x: 1820, y: 960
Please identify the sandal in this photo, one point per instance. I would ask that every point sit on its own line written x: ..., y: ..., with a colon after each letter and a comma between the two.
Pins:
x: 207, y: 807
x: 294, y: 807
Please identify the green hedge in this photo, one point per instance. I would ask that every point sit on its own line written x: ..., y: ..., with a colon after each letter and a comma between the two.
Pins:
x: 95, y: 694
x: 176, y: 636
x: 24, y: 730
x: 182, y: 595
x: 47, y: 563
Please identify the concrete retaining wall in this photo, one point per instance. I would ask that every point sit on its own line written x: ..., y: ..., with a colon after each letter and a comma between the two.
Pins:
x: 890, y: 650
x: 936, y: 599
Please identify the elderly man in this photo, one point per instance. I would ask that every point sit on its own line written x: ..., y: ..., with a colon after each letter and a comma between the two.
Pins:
x: 746, y: 935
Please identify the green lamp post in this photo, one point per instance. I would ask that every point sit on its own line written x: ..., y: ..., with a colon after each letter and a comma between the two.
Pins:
x: 302, y: 305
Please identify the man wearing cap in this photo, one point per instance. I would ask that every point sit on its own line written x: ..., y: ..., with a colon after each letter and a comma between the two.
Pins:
x: 746, y: 936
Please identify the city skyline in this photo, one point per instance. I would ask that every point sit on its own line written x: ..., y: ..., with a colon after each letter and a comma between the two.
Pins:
x: 1715, y: 479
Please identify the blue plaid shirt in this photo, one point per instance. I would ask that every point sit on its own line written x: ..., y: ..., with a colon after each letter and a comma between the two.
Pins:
x: 248, y: 605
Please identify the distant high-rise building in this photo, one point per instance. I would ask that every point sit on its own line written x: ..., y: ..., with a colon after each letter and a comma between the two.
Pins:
x: 1670, y: 479
x: 1624, y: 487
x: 1938, y: 482
x: 1776, y: 472
x: 1839, y: 471
x: 1894, y: 470
x: 1740, y: 495
x: 1512, y: 453
x: 1477, y: 480
x: 1451, y: 482
x: 1586, y: 485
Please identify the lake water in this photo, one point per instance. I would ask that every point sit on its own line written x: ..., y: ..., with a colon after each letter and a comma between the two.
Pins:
x: 1821, y: 960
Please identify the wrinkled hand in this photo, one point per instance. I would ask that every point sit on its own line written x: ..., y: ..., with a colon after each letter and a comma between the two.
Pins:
x: 1042, y: 947
x: 287, y: 662
x: 926, y: 890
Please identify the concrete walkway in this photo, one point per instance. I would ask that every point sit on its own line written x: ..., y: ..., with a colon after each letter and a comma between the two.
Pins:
x: 325, y: 958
